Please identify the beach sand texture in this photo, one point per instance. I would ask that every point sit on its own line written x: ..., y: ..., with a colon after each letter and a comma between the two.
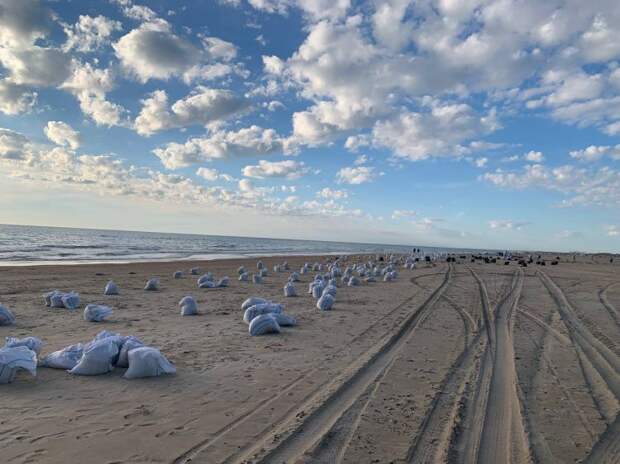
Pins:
x: 460, y: 363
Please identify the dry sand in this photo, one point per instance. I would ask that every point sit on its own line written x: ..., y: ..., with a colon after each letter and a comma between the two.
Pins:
x: 464, y: 363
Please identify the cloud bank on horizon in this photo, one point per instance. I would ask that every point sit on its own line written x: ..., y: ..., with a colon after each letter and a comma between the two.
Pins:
x: 480, y: 123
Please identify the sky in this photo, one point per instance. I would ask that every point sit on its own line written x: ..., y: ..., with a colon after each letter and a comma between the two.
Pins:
x: 461, y: 123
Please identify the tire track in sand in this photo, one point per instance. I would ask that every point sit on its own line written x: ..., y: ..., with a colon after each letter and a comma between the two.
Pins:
x: 611, y: 309
x: 503, y: 436
x: 592, y: 353
x: 203, y: 445
x: 602, y: 358
x: 473, y: 406
x: 332, y: 403
x: 432, y: 443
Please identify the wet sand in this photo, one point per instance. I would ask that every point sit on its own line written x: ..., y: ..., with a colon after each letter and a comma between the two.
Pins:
x: 465, y: 362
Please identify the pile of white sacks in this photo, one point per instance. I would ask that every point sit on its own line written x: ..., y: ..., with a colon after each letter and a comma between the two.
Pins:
x: 58, y: 299
x: 281, y: 267
x: 208, y: 281
x: 264, y: 316
x: 99, y: 356
x: 324, y: 290
x: 257, y: 278
x: 71, y: 300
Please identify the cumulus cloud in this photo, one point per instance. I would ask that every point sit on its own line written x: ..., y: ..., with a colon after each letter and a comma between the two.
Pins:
x: 249, y: 141
x: 15, y: 98
x: 481, y: 162
x: 36, y: 66
x: 90, y: 33
x: 90, y: 86
x: 203, y: 106
x: 332, y: 194
x: 581, y: 186
x: 374, y: 69
x: 361, y: 159
x: 13, y: 145
x: 219, y: 49
x: 355, y: 142
x: 438, y: 132
x: 107, y: 175
x: 213, y: 175
x: 288, y: 169
x: 534, y: 156
x: 356, y: 175
x: 136, y: 12
x: 596, y: 152
x: 313, y: 9
x: 153, y: 51
x: 62, y: 134
x: 23, y: 22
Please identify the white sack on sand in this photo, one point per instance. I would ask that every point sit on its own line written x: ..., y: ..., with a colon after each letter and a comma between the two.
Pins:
x: 110, y: 289
x: 67, y: 358
x: 147, y: 362
x: 325, y: 303
x: 188, y: 306
x: 264, y: 324
x: 32, y: 343
x: 96, y: 313
x: 6, y: 316
x: 13, y: 359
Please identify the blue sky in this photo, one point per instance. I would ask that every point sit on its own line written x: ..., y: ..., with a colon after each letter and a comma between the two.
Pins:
x: 478, y: 123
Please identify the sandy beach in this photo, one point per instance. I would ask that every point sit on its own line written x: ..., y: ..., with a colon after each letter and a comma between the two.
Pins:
x: 464, y: 362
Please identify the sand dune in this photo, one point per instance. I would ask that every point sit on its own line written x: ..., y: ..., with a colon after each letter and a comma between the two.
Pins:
x: 460, y: 363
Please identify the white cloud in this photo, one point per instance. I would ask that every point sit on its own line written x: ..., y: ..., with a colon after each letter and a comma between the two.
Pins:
x: 106, y: 175
x: 595, y: 153
x: 203, y: 106
x: 506, y: 224
x: 62, y: 134
x: 288, y: 169
x: 403, y: 214
x: 23, y: 22
x: 250, y: 141
x: 361, y: 159
x: 481, y: 162
x: 581, y: 186
x: 219, y: 49
x: 332, y: 194
x: 13, y: 145
x: 213, y: 175
x: 90, y: 33
x: 153, y: 51
x: 314, y: 9
x: 612, y: 230
x: 438, y: 132
x: 137, y: 12
x: 36, y: 66
x: 355, y: 142
x: 534, y: 156
x: 90, y: 86
x: 14, y: 98
x: 356, y: 175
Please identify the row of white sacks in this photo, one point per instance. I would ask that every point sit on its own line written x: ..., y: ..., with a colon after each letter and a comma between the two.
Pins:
x: 99, y: 356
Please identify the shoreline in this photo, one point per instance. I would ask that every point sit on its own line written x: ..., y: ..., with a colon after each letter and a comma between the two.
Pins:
x: 193, y: 258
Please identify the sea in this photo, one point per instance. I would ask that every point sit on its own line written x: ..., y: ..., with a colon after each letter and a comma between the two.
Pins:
x: 26, y: 245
